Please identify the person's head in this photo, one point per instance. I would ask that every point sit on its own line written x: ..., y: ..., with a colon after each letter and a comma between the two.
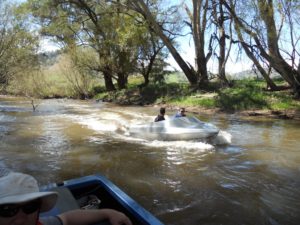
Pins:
x: 182, y: 111
x: 162, y: 111
x: 20, y: 199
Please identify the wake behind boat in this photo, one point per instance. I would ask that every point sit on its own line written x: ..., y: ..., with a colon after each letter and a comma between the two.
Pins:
x: 174, y: 129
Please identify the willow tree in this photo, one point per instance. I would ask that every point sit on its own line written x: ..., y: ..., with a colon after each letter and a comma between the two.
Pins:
x: 269, y: 33
x: 103, y: 26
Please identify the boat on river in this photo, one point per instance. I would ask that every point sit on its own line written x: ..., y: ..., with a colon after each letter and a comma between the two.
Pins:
x: 175, y: 129
x: 96, y: 191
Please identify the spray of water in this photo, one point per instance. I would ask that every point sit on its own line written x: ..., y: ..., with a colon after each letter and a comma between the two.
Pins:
x: 114, y: 121
x: 223, y: 138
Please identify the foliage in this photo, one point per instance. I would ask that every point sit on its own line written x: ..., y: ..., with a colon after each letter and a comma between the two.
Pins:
x: 78, y: 74
x: 116, y: 34
x: 247, y: 94
x: 251, y: 94
x: 18, y: 45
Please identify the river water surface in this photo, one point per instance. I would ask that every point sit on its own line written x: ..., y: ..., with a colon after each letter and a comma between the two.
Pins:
x: 253, y: 180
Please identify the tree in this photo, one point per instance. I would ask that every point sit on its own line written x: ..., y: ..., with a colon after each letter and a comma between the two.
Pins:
x: 78, y: 67
x: 219, y: 19
x: 76, y: 23
x: 264, y: 35
x: 198, y: 25
x: 142, y: 8
x: 18, y: 45
x: 109, y: 29
x: 151, y: 53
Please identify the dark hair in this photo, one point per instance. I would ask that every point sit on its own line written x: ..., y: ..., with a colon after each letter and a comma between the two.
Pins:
x: 162, y: 110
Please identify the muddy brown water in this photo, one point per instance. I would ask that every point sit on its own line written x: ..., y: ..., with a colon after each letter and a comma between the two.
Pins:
x: 253, y: 180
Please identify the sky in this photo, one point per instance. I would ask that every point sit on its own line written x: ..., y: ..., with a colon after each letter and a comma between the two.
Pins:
x: 188, y: 54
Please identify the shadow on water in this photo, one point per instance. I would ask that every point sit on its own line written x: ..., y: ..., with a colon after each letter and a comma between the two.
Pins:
x: 254, y: 180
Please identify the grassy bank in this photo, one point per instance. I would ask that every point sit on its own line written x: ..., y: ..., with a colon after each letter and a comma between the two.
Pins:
x: 61, y: 79
x: 247, y: 94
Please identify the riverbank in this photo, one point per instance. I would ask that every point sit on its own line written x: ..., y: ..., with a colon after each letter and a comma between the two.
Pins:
x: 246, y: 99
x: 66, y: 139
x: 272, y: 114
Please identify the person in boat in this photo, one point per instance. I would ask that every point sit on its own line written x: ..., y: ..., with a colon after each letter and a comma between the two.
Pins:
x: 21, y: 202
x: 180, y: 113
x: 161, y: 115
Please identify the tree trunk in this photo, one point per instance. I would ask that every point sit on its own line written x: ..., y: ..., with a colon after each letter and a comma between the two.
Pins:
x: 251, y: 56
x: 187, y: 70
x: 146, y: 80
x: 276, y: 61
x: 222, y: 43
x: 198, y: 30
x: 108, y: 80
x: 120, y: 69
x: 147, y: 70
x: 122, y: 80
x: 273, y: 56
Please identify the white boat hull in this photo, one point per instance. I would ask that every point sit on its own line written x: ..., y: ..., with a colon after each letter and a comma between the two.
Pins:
x: 175, y: 129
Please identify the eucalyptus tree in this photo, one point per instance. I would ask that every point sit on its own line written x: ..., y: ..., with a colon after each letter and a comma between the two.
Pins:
x: 198, y: 24
x: 203, y: 18
x: 220, y: 17
x: 156, y: 25
x: 268, y: 29
x: 18, y: 46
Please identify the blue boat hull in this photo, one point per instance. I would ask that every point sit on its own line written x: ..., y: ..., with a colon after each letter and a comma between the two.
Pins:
x: 110, y: 195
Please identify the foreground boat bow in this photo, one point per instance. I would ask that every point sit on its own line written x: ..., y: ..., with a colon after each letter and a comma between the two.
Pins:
x: 71, y: 193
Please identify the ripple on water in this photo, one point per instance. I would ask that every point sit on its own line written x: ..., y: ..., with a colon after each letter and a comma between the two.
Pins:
x: 254, y: 181
x: 282, y: 203
x: 7, y: 118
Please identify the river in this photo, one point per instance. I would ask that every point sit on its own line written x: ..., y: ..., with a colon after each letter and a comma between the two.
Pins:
x: 253, y: 180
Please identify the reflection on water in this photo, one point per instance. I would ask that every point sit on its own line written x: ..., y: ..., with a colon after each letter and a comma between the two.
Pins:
x: 254, y: 180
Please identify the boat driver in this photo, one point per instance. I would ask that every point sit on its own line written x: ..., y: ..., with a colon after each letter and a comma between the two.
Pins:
x: 161, y: 115
x: 180, y: 113
x: 21, y: 202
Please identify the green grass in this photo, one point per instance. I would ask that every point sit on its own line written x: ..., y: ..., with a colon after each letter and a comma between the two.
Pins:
x: 247, y: 94
x: 176, y: 77
x: 250, y: 94
x: 280, y: 101
x: 192, y: 101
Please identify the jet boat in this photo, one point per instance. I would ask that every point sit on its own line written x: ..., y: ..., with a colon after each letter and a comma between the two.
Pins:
x: 174, y: 129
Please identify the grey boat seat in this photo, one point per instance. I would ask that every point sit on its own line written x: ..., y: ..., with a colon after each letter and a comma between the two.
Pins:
x: 65, y: 202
